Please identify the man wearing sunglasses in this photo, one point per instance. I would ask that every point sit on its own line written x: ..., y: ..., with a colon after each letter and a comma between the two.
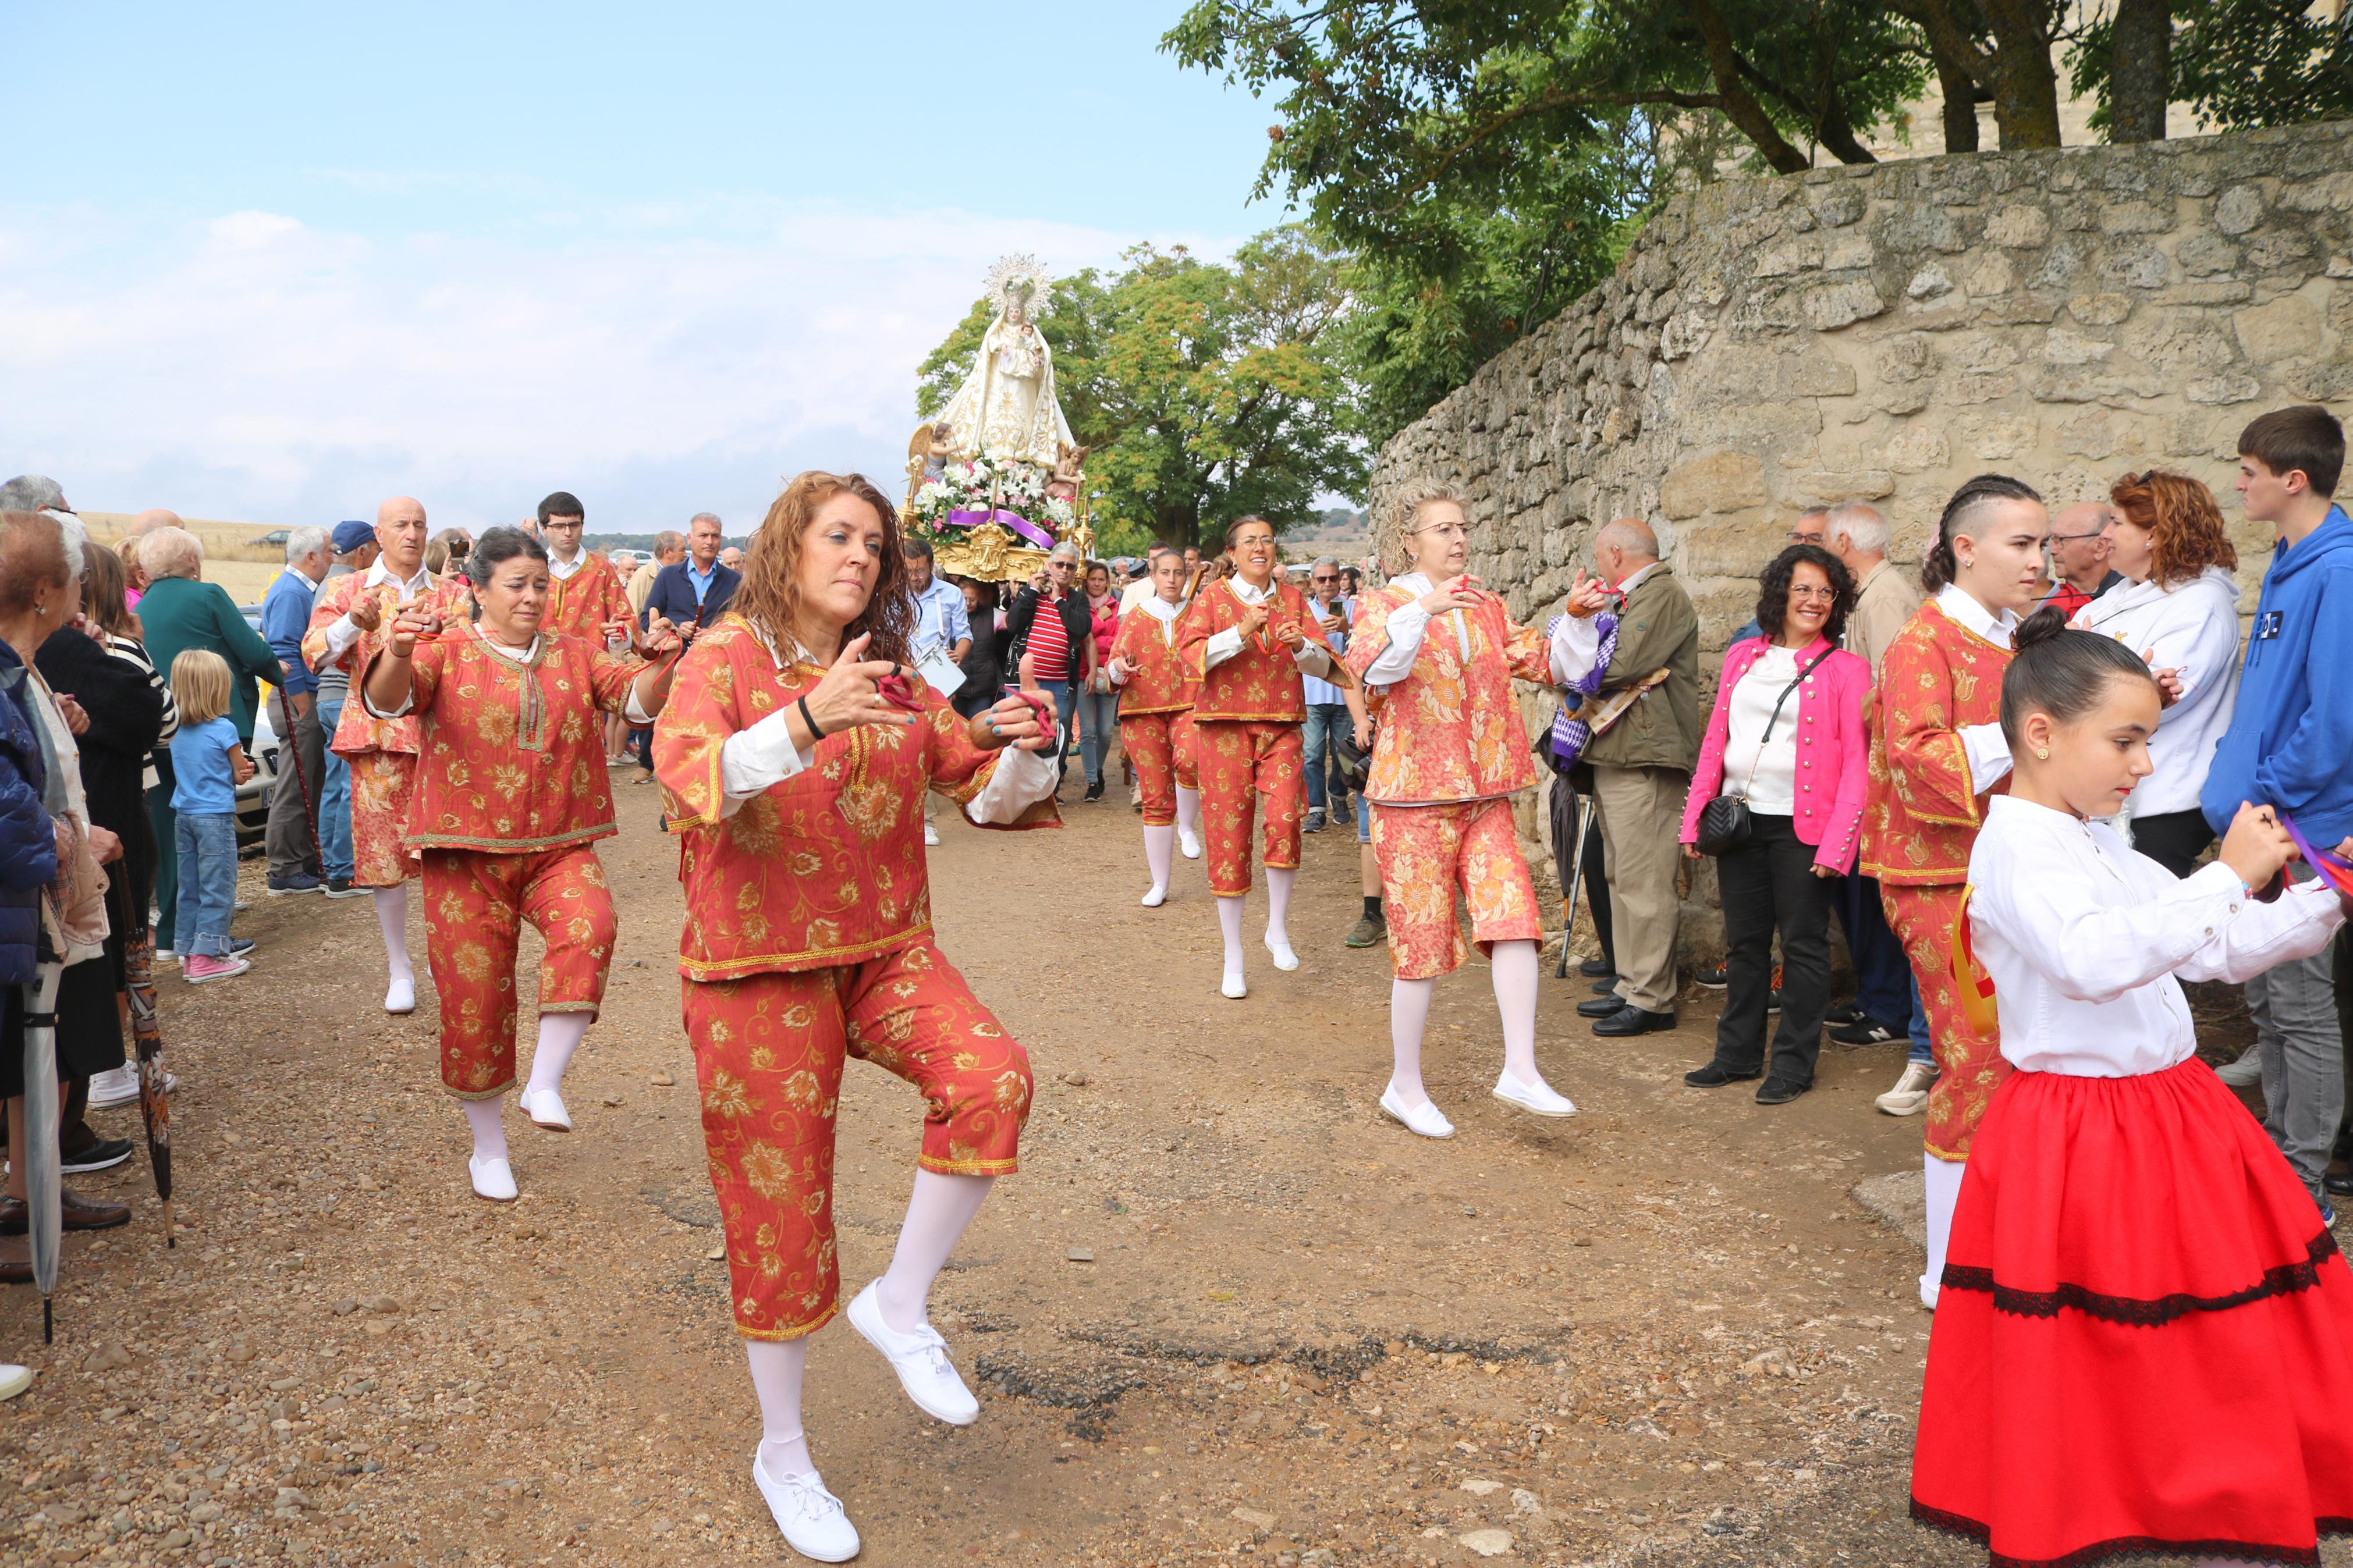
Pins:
x: 2079, y: 556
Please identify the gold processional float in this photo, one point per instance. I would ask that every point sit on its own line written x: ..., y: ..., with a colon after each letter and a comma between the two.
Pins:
x: 995, y: 481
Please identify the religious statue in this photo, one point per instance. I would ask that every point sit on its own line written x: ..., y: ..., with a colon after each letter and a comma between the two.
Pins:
x: 1006, y: 409
x: 928, y: 451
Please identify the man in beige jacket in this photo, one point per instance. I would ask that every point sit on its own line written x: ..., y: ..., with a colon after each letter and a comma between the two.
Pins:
x: 1884, y: 984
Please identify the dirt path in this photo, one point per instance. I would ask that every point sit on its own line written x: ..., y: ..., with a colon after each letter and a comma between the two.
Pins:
x: 1661, y: 1332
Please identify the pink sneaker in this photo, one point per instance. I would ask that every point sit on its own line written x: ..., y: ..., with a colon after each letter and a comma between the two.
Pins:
x: 196, y: 968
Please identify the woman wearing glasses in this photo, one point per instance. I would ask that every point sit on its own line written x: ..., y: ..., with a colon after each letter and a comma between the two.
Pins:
x: 1788, y: 737
x: 2179, y: 609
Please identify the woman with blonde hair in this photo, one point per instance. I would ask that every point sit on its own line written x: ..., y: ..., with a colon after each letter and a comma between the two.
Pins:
x: 2179, y: 609
x: 793, y: 759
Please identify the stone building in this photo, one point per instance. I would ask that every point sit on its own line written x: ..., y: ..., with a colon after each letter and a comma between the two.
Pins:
x: 1883, y: 331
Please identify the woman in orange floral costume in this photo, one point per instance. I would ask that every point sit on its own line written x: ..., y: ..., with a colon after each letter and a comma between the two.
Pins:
x: 1156, y: 719
x: 350, y: 625
x: 794, y: 762
x: 509, y: 797
x: 1437, y: 654
x: 1245, y: 641
x: 1936, y: 753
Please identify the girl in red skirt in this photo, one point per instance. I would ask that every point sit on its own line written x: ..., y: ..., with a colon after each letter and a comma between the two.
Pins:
x: 2144, y: 1343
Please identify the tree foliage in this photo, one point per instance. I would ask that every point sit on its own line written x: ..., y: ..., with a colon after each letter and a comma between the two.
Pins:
x: 2236, y: 63
x: 1205, y: 390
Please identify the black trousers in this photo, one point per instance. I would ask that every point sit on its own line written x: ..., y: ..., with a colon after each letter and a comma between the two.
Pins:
x: 2174, y: 840
x: 1597, y: 891
x: 1766, y: 882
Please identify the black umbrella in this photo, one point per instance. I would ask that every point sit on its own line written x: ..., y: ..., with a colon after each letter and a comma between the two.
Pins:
x: 1571, y: 815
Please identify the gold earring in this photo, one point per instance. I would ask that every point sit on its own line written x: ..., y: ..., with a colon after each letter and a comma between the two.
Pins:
x: 2043, y: 753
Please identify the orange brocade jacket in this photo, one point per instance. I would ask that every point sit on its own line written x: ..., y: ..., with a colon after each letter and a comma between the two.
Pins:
x: 359, y: 730
x: 1451, y: 729
x: 1920, y: 816
x: 824, y: 869
x: 513, y: 756
x: 580, y: 604
x: 1147, y: 645
x: 1262, y: 681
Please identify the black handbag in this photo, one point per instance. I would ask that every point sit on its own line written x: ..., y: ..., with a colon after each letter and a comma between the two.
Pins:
x: 1354, y: 766
x: 1724, y: 821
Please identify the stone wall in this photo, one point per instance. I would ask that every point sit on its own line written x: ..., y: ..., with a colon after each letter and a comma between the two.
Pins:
x: 1883, y: 331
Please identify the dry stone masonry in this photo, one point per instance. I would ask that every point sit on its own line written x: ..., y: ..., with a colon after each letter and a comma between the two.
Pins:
x: 1882, y: 332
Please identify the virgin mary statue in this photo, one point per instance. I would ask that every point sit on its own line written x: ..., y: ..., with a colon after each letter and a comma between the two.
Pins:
x: 1007, y: 408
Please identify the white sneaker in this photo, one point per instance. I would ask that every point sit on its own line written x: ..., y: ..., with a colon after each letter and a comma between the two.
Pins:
x: 400, y: 996
x: 1425, y: 1118
x: 1537, y: 1098
x: 1188, y: 844
x: 116, y: 1086
x: 1911, y: 1091
x: 921, y: 1360
x: 813, y: 1520
x: 2245, y: 1073
x: 1156, y: 896
x: 931, y: 836
x: 493, y: 1179
x: 545, y: 1108
x: 1284, y: 959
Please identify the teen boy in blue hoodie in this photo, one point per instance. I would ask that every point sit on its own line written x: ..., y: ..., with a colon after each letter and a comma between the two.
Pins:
x: 2287, y: 747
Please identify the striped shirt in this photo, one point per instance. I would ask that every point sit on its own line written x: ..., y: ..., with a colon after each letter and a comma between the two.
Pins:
x: 134, y: 653
x: 1050, y: 642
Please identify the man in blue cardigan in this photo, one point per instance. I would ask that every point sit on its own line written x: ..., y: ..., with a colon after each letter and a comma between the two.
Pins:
x: 293, y: 838
x: 694, y: 592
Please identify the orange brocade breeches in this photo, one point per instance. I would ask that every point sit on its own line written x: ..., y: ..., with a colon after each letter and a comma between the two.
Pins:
x: 1163, y: 748
x: 1970, y: 1065
x: 1425, y: 853
x: 768, y: 1050
x: 1241, y: 759
x: 475, y: 904
x: 381, y: 783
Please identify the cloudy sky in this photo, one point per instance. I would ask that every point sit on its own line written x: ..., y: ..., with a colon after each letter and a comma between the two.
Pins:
x: 274, y: 263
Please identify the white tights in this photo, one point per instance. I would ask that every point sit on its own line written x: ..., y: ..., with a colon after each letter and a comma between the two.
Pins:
x: 1159, y: 854
x: 1942, y: 1184
x: 560, y: 1035
x: 1279, y: 884
x: 1514, y: 971
x: 1189, y: 812
x: 938, y: 1212
x: 391, y: 914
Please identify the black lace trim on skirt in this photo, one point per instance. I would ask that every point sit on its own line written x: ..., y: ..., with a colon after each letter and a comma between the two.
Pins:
x: 2131, y: 1545
x: 2284, y: 1280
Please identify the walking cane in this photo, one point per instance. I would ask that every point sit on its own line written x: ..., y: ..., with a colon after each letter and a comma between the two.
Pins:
x: 1575, y: 880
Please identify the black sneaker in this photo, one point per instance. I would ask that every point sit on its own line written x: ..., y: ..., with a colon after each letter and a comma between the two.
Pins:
x: 1848, y: 1012
x: 103, y: 1155
x: 1870, y: 1032
x: 238, y: 946
x: 293, y: 882
x: 1094, y: 791
x: 1712, y: 979
x: 341, y: 888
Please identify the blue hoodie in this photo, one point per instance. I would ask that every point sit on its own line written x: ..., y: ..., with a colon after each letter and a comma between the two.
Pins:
x: 2287, y: 745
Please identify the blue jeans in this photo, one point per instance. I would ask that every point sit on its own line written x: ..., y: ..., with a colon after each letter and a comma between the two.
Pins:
x: 1064, y: 702
x: 206, y: 845
x: 1325, y: 721
x: 334, y: 802
x: 1363, y: 820
x: 1098, y: 721
x: 1919, y: 1052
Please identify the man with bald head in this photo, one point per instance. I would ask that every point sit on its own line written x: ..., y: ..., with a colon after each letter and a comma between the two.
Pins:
x: 1641, y: 770
x: 352, y: 624
x: 2079, y: 555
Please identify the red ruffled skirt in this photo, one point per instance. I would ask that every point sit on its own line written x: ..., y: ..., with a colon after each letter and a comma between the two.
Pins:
x: 2144, y: 1341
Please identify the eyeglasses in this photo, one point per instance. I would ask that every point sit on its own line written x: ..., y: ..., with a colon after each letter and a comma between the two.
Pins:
x: 2073, y: 538
x: 1446, y: 529
x: 1807, y: 591
x: 1798, y: 538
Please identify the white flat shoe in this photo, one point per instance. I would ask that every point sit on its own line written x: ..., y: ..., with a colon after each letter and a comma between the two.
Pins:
x: 1284, y: 959
x: 931, y: 836
x: 813, y: 1520
x: 921, y: 1360
x: 1187, y: 843
x: 1537, y: 1099
x: 545, y: 1108
x: 1234, y: 988
x: 15, y: 1380
x: 493, y: 1179
x: 400, y: 996
x: 1425, y: 1118
x: 1157, y: 897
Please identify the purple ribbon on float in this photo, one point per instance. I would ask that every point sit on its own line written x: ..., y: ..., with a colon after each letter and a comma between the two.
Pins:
x: 1012, y: 519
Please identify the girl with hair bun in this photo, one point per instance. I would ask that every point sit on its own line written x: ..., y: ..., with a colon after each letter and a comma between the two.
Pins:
x: 1936, y: 753
x: 2144, y: 1343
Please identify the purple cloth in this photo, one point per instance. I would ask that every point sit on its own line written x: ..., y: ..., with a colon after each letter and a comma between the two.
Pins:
x: 1571, y: 735
x: 1022, y: 525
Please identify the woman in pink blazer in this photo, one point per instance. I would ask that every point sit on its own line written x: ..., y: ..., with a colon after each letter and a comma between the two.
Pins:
x: 1788, y: 734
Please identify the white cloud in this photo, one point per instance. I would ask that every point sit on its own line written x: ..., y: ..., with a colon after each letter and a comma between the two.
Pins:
x: 659, y: 362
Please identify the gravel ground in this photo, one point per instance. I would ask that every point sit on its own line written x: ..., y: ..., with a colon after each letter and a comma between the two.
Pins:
x: 1222, y: 1312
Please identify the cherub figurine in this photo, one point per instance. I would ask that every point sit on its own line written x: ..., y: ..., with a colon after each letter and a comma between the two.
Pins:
x: 928, y: 451
x: 1069, y: 469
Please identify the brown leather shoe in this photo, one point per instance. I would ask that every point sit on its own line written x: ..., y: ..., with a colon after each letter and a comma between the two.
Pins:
x: 80, y: 1212
x: 16, y: 1260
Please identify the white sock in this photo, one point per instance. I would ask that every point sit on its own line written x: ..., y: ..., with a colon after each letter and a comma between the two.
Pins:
x: 1515, y: 967
x: 1408, y: 1017
x: 937, y: 1214
x: 1278, y: 916
x: 560, y: 1035
x: 1159, y: 846
x: 1188, y: 812
x: 1230, y: 924
x: 776, y: 1368
x: 1943, y: 1181
x: 490, y: 1128
x: 391, y: 914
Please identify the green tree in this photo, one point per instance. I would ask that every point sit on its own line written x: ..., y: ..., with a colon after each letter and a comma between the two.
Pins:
x: 2237, y: 63
x: 1204, y: 391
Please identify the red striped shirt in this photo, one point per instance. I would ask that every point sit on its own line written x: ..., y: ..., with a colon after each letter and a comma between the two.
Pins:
x: 1050, y: 643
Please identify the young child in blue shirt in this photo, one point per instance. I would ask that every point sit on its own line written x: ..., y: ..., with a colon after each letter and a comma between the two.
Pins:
x: 208, y: 763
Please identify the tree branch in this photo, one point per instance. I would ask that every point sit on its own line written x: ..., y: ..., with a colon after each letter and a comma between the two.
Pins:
x: 1738, y: 104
